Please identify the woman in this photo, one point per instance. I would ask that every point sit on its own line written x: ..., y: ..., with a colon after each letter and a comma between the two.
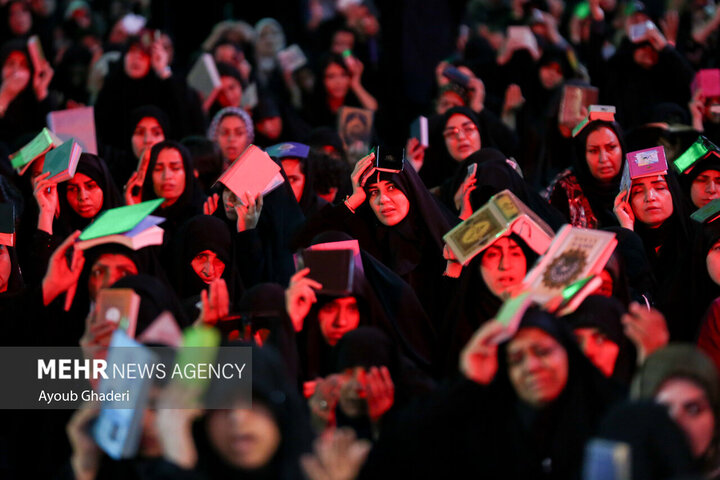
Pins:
x: 371, y: 380
x: 656, y: 211
x: 170, y: 176
x: 456, y: 135
x: 707, y: 290
x: 598, y: 328
x: 482, y: 288
x: 144, y: 78
x: 585, y: 193
x: 702, y: 183
x: 79, y: 201
x: 396, y: 220
x: 262, y: 441
x: 528, y: 408
x: 686, y: 381
x: 24, y: 100
x: 340, y: 85
x: 378, y: 298
x: 202, y: 254
x: 232, y: 129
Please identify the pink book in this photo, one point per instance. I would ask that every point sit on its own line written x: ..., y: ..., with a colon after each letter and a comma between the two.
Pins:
x: 253, y: 171
x: 707, y: 80
x: 644, y: 163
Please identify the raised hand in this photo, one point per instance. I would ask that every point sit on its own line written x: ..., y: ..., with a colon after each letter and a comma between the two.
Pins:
x: 248, y: 211
x: 623, y: 211
x: 337, y: 456
x: 478, y: 360
x: 46, y: 196
x: 211, y: 204
x: 300, y: 296
x: 215, y: 302
x: 41, y: 80
x: 362, y: 171
x: 61, y: 276
x: 160, y: 59
x: 380, y: 392
x: 133, y: 189
x: 646, y: 328
x: 415, y: 153
x: 86, y: 455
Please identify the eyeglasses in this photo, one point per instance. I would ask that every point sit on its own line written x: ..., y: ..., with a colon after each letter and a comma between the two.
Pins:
x: 467, y: 129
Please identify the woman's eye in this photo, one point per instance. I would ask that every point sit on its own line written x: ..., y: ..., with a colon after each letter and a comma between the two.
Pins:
x: 390, y: 188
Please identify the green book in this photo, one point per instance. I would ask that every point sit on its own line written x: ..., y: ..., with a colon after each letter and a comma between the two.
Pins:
x: 62, y: 161
x: 120, y: 219
x: 697, y: 150
x: 511, y: 313
x: 43, y: 141
x: 708, y: 213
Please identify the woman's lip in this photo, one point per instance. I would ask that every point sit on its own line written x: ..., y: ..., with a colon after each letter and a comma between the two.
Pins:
x: 387, y: 211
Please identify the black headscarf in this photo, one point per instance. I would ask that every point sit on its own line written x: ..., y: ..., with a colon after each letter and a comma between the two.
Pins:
x: 710, y: 162
x: 271, y: 387
x: 95, y: 168
x: 604, y: 314
x: 659, y: 449
x: 189, y: 203
x: 200, y: 233
x: 472, y: 305
x: 671, y: 264
x: 385, y: 301
x: 146, y: 111
x: 601, y: 196
x: 489, y: 431
x: 438, y: 165
x: 494, y: 174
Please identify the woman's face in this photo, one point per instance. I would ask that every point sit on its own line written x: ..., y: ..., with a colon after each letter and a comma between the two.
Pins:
x: 461, y: 137
x: 550, y: 75
x: 705, y: 188
x: 503, y: 266
x: 538, y: 366
x: 208, y: 266
x: 651, y: 200
x: 84, y: 195
x: 5, y: 268
x: 232, y: 137
x: 245, y: 438
x: 16, y: 64
x: 388, y: 202
x: 338, y: 317
x: 229, y: 201
x: 712, y: 261
x: 231, y: 92
x: 19, y: 18
x: 108, y: 269
x: 169, y: 176
x: 137, y: 62
x: 601, y: 351
x: 147, y: 133
x: 603, y: 154
x: 689, y: 406
x: 337, y: 81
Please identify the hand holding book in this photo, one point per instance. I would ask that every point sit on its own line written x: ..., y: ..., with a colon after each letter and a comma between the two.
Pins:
x: 86, y: 455
x: 300, y: 296
x: 362, y: 171
x: 478, y: 360
x: 623, y: 210
x: 62, y: 275
x: 46, y: 196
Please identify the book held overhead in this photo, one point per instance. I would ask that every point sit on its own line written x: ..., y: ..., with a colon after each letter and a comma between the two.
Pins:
x: 131, y: 225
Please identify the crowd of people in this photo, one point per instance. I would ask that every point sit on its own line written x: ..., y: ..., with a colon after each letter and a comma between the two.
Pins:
x: 410, y: 375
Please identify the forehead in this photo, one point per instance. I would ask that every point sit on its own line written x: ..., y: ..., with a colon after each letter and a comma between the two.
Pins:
x: 79, y: 178
x: 17, y: 57
x: 529, y: 336
x: 343, y: 301
x: 232, y: 121
x: 209, y: 253
x: 601, y: 135
x: 137, y: 50
x: 168, y: 155
x: 710, y: 172
x: 457, y: 120
x: 678, y: 389
x: 291, y: 164
x: 115, y: 260
x: 505, y: 242
x: 229, y: 80
x: 650, y: 182
x: 148, y: 122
